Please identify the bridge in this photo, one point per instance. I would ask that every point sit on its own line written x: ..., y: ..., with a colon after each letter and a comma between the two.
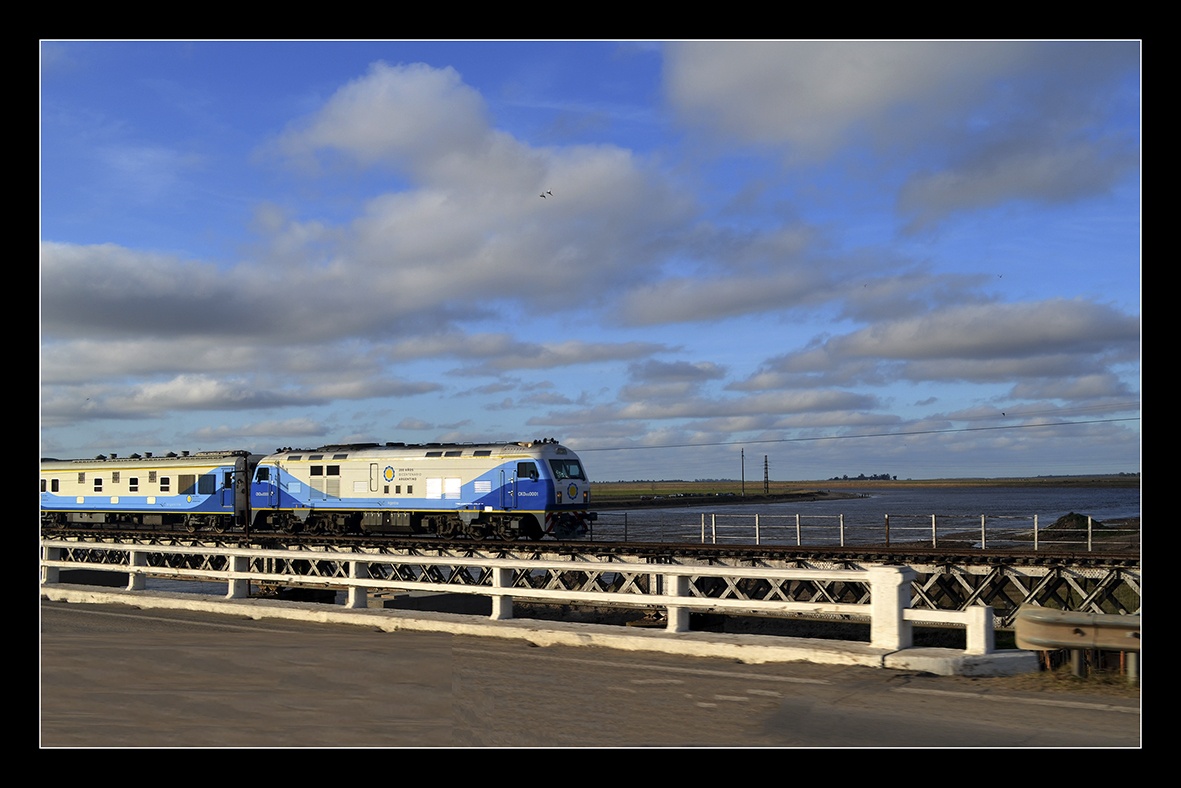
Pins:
x: 893, y: 590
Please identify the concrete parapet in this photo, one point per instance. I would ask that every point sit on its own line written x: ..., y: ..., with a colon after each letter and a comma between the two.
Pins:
x: 750, y: 649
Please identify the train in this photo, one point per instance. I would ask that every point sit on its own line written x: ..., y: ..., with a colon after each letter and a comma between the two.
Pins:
x: 509, y: 490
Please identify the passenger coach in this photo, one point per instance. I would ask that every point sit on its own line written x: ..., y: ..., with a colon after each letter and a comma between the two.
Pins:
x: 188, y: 491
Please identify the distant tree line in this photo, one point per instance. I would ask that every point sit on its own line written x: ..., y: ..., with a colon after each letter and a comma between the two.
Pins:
x: 885, y: 477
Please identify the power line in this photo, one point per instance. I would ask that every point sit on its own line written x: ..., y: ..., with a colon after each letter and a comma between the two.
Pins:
x: 583, y: 450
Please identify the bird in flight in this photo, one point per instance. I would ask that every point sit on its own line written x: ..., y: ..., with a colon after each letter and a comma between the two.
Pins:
x: 547, y: 191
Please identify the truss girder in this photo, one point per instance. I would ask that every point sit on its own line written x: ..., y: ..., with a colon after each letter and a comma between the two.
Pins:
x: 1005, y: 587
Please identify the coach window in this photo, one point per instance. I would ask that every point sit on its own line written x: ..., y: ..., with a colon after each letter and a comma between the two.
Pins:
x: 206, y: 483
x: 114, y: 477
x: 98, y: 484
x: 132, y: 484
x: 165, y: 483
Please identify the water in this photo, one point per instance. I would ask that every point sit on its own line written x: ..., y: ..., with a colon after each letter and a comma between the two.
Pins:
x: 956, y: 509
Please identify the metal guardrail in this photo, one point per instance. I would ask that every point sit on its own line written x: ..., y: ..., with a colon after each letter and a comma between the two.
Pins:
x: 675, y: 588
x: 1047, y: 629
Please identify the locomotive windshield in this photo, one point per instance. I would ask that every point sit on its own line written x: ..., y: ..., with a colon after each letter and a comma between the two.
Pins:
x: 567, y: 469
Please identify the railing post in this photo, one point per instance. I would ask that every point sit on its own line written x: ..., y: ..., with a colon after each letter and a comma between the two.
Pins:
x: 841, y: 518
x: 887, y: 530
x: 502, y: 604
x: 239, y: 585
x: 1089, y: 533
x: 50, y: 574
x: 703, y: 527
x: 713, y: 528
x: 1035, y: 533
x: 757, y: 529
x: 934, y: 539
x: 798, y: 537
x: 889, y: 591
x: 981, y: 632
x: 357, y: 597
x: 983, y: 535
x: 678, y: 617
x: 136, y: 581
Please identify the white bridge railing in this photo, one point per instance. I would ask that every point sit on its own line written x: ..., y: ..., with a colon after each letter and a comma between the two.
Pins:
x: 881, y: 594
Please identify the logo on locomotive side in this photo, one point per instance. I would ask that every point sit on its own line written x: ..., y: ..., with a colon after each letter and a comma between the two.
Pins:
x: 389, y: 473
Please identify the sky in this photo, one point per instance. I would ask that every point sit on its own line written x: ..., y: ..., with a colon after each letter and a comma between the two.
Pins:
x: 793, y: 260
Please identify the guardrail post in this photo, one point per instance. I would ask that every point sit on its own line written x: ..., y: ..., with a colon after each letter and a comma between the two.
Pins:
x: 1035, y: 533
x: 889, y: 592
x: 841, y: 519
x: 983, y: 535
x: 799, y: 541
x: 887, y: 530
x: 981, y: 632
x: 934, y: 539
x: 50, y: 574
x: 678, y: 617
x: 136, y: 581
x: 239, y: 585
x: 358, y: 595
x: 757, y: 529
x: 502, y: 604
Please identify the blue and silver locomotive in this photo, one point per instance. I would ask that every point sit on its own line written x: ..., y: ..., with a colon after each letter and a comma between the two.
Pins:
x: 491, y: 490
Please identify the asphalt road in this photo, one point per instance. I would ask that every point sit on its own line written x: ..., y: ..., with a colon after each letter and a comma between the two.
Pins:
x: 117, y: 676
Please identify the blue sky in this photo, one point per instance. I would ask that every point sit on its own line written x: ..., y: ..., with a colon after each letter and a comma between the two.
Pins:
x: 913, y: 258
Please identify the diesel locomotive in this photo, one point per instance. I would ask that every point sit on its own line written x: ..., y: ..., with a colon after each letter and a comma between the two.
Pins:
x: 527, y: 489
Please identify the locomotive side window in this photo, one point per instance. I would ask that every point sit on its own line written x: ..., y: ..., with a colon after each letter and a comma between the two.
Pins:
x: 316, y: 470
x: 264, y: 473
x: 333, y: 470
x: 527, y: 470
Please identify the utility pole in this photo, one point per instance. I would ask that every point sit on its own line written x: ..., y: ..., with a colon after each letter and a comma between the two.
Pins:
x: 766, y: 478
x: 742, y: 455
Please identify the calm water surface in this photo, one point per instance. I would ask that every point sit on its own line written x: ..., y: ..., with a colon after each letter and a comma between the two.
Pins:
x: 863, y: 518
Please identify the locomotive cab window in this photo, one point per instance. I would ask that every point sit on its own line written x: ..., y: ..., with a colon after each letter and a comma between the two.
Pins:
x: 527, y: 470
x: 567, y: 469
